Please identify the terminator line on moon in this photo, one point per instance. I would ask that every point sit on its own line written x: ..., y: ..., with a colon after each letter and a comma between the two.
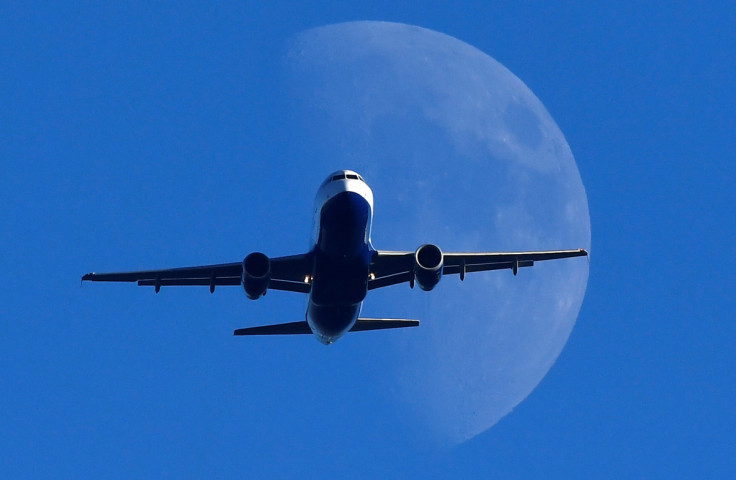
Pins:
x: 339, y: 269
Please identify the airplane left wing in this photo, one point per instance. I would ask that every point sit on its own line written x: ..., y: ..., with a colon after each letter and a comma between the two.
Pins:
x: 391, y: 268
x: 287, y: 273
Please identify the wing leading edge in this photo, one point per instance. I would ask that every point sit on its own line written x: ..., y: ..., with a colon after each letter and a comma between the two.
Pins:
x: 391, y: 268
x: 287, y: 273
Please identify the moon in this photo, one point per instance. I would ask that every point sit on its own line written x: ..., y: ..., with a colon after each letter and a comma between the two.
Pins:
x: 459, y: 152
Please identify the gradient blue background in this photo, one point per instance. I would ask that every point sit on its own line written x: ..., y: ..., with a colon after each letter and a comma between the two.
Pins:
x: 143, y: 136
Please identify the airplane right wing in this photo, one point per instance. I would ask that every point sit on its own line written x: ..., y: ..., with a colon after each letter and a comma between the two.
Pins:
x: 391, y: 268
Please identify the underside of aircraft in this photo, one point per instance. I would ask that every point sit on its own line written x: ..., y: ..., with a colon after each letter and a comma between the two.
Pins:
x: 339, y: 270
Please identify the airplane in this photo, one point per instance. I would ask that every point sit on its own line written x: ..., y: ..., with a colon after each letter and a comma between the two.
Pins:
x: 339, y: 270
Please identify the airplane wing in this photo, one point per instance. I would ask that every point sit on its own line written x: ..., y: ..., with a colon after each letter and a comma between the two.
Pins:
x: 287, y: 273
x: 391, y: 268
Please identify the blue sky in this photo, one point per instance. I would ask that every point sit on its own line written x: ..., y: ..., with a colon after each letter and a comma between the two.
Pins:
x: 140, y: 136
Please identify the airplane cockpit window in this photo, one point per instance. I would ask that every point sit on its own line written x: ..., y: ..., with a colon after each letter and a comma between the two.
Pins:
x: 343, y: 176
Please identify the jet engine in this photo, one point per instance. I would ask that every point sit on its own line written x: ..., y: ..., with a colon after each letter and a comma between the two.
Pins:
x: 428, y: 261
x: 256, y: 275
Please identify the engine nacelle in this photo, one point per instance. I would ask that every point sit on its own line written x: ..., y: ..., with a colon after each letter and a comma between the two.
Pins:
x: 428, y: 262
x: 256, y: 275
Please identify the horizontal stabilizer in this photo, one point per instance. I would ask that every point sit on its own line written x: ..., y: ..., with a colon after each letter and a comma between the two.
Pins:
x: 293, y: 328
x: 296, y: 328
x: 381, y: 323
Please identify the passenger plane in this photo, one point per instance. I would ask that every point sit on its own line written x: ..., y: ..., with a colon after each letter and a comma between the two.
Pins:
x: 339, y: 270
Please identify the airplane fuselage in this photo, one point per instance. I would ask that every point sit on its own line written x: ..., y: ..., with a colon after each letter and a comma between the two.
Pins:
x: 342, y: 250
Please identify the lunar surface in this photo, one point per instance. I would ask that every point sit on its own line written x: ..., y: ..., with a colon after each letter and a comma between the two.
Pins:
x: 459, y: 152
